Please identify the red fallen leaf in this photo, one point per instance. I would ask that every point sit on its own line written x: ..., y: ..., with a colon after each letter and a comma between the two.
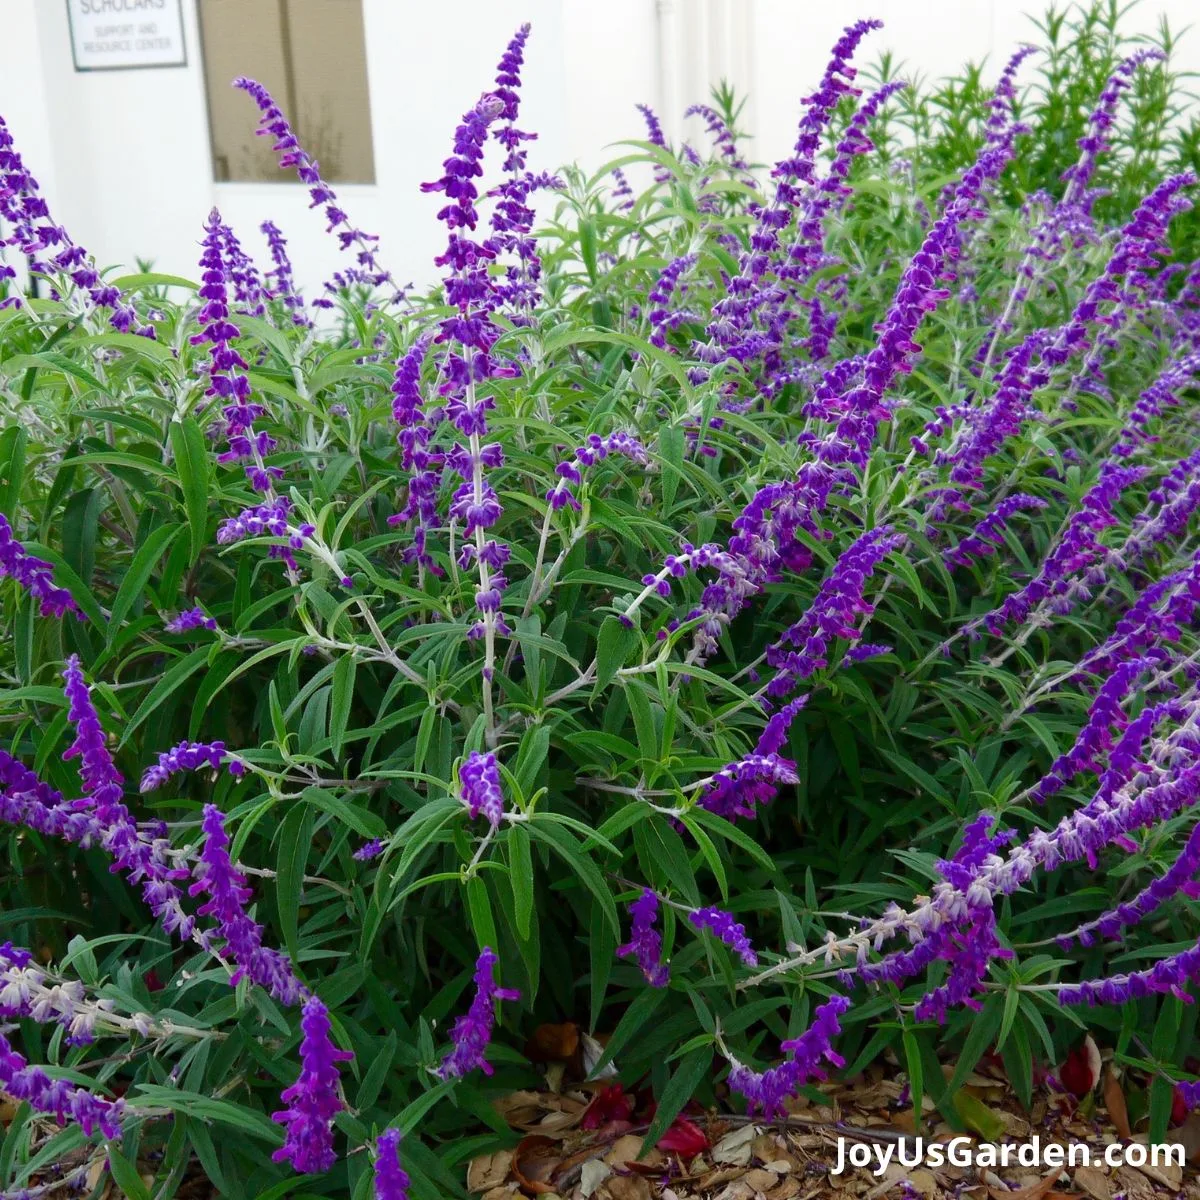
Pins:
x: 1081, y: 1070
x: 609, y: 1104
x: 1179, y: 1110
x: 684, y: 1138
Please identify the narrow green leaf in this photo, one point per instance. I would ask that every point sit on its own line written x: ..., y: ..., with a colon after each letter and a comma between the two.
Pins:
x: 193, y: 465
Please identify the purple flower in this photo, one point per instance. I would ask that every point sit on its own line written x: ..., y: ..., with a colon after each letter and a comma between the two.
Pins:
x: 570, y: 473
x: 1094, y: 143
x: 391, y: 1182
x: 190, y: 756
x: 662, y: 318
x: 34, y: 575
x: 645, y: 942
x: 192, y: 618
x: 369, y: 850
x: 281, y: 284
x: 765, y: 1092
x: 738, y: 788
x: 472, y: 1032
x: 102, y: 782
x: 99, y: 818
x: 313, y: 1100
x: 732, y: 933
x: 47, y: 246
x: 272, y: 123
x: 479, y: 787
x: 56, y: 1097
x: 1176, y: 879
x: 271, y: 518
x: 468, y: 336
x: 512, y: 218
x: 835, y: 612
x: 988, y: 534
x: 415, y: 430
x: 228, y: 896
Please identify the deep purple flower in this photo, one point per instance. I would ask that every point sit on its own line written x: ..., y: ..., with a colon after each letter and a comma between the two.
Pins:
x: 271, y: 518
x: 102, y: 782
x: 34, y: 575
x: 313, y: 1100
x: 369, y: 850
x: 472, y: 1032
x: 228, y: 896
x: 391, y: 1182
x: 47, y: 246
x: 738, y: 788
x: 570, y: 473
x: 190, y: 756
x: 645, y: 942
x: 272, y: 123
x: 281, y: 284
x: 988, y: 534
x: 722, y: 925
x: 1170, y: 884
x: 479, y: 787
x: 512, y: 218
x: 661, y: 316
x: 99, y: 818
x: 56, y: 1097
x: 765, y: 1092
x: 191, y: 618
x: 835, y: 612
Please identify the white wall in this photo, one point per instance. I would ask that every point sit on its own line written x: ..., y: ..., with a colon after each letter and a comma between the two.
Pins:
x: 123, y: 156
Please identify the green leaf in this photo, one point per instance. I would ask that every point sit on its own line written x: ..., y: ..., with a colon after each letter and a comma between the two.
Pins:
x: 681, y: 1087
x: 125, y: 1175
x: 193, y: 465
x: 295, y: 842
x: 343, y: 697
x: 613, y: 645
x: 141, y: 568
x: 916, y: 1074
x: 172, y: 680
x: 520, y: 870
x: 977, y: 1116
x: 364, y: 822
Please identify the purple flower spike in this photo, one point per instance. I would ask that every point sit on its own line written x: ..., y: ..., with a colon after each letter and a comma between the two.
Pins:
x: 472, y: 1032
x: 645, y: 942
x: 313, y: 1100
x: 192, y: 618
x: 228, y: 896
x: 732, y: 933
x: 479, y: 780
x: 272, y: 123
x: 570, y: 473
x: 56, y: 1097
x: 103, y: 783
x: 281, y: 285
x: 369, y: 850
x: 391, y: 1182
x: 34, y: 575
x: 34, y: 233
x: 766, y: 1092
x: 190, y: 756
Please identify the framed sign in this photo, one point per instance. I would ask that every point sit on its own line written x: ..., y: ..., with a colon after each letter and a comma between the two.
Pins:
x: 122, y: 35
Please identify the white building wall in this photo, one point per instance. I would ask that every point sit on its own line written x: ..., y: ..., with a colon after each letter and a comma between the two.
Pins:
x: 123, y: 156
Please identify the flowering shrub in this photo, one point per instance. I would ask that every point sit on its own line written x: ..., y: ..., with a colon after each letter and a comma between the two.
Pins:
x: 753, y: 617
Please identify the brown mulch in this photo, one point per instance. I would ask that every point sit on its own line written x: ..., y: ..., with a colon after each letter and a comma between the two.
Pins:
x: 726, y: 1157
